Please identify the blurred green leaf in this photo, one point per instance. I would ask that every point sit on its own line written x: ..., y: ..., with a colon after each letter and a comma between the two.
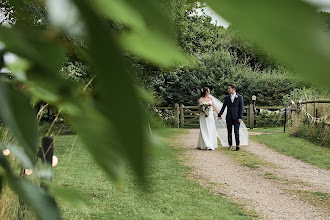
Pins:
x: 34, y: 46
x: 121, y: 12
x: 21, y: 156
x: 141, y: 41
x: 69, y: 195
x: 153, y: 15
x: 145, y: 95
x: 288, y: 30
x: 100, y: 138
x: 154, y: 47
x: 116, y: 98
x: 18, y: 115
x: 35, y: 197
x: 1, y: 182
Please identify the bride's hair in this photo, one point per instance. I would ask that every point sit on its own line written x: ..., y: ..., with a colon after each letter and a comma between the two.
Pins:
x: 203, y: 91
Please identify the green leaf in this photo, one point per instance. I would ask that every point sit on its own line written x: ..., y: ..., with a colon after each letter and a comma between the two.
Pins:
x: 21, y: 156
x: 34, y: 46
x: 100, y: 138
x: 35, y: 197
x: 153, y: 15
x: 69, y: 195
x: 120, y: 11
x: 154, y: 47
x: 116, y: 99
x: 1, y: 184
x: 18, y: 115
x: 288, y: 30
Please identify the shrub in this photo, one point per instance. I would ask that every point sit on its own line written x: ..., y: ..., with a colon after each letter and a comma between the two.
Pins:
x: 318, y: 133
x: 268, y: 119
x: 167, y: 116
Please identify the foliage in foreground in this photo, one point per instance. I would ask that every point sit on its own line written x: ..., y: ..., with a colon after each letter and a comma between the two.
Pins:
x: 103, y: 126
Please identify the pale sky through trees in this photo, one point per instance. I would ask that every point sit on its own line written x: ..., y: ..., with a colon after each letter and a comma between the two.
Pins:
x: 322, y: 5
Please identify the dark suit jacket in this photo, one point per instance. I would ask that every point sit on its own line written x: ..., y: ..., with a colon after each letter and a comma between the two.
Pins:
x: 235, y: 109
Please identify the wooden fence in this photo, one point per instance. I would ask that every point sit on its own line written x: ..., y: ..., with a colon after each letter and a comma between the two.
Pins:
x: 313, y: 108
x: 188, y: 116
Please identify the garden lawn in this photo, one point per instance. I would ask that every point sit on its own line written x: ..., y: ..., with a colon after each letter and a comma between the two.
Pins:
x: 171, y: 194
x: 295, y: 147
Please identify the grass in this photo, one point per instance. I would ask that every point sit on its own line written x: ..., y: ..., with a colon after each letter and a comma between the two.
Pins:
x: 317, y: 199
x: 171, y: 194
x: 8, y: 204
x: 245, y: 158
x: 296, y: 147
x: 271, y: 176
x: 267, y: 130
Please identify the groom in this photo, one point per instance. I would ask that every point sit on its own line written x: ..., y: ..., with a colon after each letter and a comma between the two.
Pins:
x: 234, y: 104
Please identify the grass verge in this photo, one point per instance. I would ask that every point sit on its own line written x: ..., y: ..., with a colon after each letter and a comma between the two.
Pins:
x: 317, y: 199
x: 295, y: 147
x: 171, y: 194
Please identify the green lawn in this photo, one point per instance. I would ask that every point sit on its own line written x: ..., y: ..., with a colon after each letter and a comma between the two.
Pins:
x: 295, y: 147
x: 172, y: 195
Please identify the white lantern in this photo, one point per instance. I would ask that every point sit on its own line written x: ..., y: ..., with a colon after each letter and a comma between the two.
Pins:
x: 55, y: 161
x: 28, y: 172
x: 6, y: 152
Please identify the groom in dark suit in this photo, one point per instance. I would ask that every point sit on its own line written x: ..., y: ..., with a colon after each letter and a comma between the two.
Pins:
x: 234, y: 104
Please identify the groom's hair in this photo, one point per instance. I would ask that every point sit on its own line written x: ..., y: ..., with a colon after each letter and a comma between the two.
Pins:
x: 232, y: 86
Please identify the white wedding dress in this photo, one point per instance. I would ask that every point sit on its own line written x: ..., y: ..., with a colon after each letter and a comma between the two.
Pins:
x: 212, y: 128
x: 208, y: 132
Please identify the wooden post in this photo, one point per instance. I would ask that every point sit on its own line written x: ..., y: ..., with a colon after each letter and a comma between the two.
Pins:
x: 314, y: 113
x: 285, y: 113
x: 181, y: 116
x: 251, y: 116
x: 176, y: 115
x: 248, y: 116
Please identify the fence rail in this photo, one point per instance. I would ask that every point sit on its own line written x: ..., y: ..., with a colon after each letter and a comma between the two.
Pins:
x: 314, y: 115
x: 316, y: 101
x: 188, y: 116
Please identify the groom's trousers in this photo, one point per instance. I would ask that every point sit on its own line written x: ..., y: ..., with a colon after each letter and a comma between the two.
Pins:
x: 230, y: 123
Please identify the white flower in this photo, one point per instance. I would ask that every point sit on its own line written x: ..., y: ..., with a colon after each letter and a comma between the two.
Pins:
x: 236, y: 96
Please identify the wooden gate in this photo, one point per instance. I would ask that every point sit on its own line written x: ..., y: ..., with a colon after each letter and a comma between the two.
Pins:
x: 189, y: 116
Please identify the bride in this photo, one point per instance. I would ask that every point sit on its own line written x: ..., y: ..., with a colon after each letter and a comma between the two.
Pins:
x: 210, y: 128
x: 208, y: 134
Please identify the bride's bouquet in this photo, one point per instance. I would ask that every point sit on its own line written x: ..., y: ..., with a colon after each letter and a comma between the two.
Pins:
x: 206, y: 107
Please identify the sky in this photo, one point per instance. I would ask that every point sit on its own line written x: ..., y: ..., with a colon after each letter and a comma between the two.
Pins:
x: 322, y: 5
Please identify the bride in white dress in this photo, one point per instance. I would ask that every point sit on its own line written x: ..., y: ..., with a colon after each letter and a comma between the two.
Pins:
x: 211, y: 128
x: 208, y: 133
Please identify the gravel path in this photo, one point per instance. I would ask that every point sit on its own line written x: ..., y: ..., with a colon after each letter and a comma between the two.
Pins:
x: 270, y: 198
x: 293, y: 168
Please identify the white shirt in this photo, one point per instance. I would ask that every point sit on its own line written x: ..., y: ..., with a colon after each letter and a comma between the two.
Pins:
x: 232, y: 97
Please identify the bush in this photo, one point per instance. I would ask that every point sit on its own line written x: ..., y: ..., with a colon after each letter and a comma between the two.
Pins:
x: 318, y: 133
x: 166, y: 116
x: 268, y: 119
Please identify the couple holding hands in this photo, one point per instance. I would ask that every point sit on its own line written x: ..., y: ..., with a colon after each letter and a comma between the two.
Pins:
x: 212, y: 124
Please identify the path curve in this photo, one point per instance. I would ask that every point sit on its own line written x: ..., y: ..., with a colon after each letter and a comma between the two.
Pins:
x: 250, y: 188
x: 293, y: 168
